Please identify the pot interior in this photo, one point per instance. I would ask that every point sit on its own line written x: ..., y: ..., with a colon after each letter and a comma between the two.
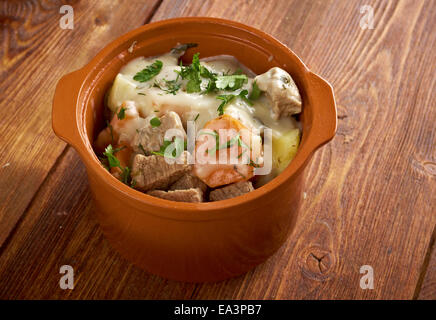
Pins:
x: 252, y: 48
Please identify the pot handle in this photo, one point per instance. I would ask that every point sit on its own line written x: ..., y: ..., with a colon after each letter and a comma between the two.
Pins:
x: 325, y: 115
x: 64, y: 110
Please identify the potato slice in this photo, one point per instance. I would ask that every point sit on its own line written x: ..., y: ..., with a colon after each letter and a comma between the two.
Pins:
x: 285, y: 148
x: 125, y: 89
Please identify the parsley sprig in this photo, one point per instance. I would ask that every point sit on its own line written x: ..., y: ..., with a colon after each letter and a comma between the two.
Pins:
x: 227, y: 98
x: 171, y: 86
x: 234, y: 140
x: 255, y: 92
x: 155, y: 122
x: 192, y: 74
x: 113, y: 162
x: 121, y: 114
x: 231, y: 83
x: 179, y: 146
x: 149, y: 72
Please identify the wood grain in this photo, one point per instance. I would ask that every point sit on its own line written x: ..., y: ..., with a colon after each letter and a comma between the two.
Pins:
x: 35, y: 52
x: 427, y: 290
x: 370, y: 192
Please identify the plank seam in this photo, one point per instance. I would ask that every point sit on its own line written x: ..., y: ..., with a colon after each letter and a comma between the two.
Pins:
x: 153, y: 12
x: 425, y: 265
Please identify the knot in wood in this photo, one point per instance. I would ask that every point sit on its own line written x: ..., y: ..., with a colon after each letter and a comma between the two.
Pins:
x: 316, y: 263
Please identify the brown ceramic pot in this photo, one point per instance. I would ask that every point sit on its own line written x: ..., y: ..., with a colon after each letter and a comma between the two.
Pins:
x: 186, y: 241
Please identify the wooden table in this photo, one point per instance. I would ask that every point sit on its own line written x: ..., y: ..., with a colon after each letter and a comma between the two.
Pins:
x: 370, y: 192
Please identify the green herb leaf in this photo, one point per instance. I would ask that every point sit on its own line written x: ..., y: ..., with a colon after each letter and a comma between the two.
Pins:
x: 226, y: 98
x: 255, y: 92
x: 125, y: 175
x: 253, y: 164
x: 140, y: 146
x: 113, y: 162
x: 230, y: 143
x: 179, y: 145
x: 172, y: 86
x: 109, y: 152
x: 217, y: 140
x: 231, y: 83
x: 243, y: 95
x: 238, y: 71
x: 122, y: 113
x: 155, y: 122
x: 149, y: 72
x: 193, y: 75
x: 206, y: 73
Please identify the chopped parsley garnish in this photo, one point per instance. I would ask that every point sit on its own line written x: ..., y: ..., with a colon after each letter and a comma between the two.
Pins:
x: 141, y: 94
x: 172, y: 86
x: 121, y: 114
x: 211, y: 86
x: 227, y: 98
x: 109, y: 152
x: 179, y: 145
x: 149, y: 72
x: 231, y: 83
x: 255, y: 92
x: 155, y: 122
x: 230, y: 143
x: 243, y: 95
x: 125, y: 175
x: 217, y: 139
x: 242, y: 153
x: 236, y: 139
x: 140, y: 146
x: 253, y: 164
x: 196, y: 117
x: 192, y: 74
x: 113, y: 162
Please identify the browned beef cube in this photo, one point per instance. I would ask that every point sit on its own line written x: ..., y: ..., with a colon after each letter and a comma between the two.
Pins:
x: 153, y: 172
x: 188, y: 181
x: 231, y: 191
x: 188, y: 195
x: 151, y: 138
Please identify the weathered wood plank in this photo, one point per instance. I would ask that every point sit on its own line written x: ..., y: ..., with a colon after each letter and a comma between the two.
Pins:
x: 369, y: 192
x: 35, y: 52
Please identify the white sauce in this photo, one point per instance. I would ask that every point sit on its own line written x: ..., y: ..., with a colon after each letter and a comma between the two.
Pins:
x: 154, y: 101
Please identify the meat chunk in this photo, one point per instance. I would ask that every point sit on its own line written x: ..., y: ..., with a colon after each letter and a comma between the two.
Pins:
x: 150, y: 138
x: 154, y: 172
x: 188, y: 181
x: 279, y: 86
x: 188, y: 195
x: 231, y: 191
